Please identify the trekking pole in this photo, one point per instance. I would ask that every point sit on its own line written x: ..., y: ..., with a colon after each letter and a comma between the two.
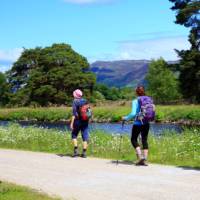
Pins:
x: 120, y: 142
x: 92, y: 128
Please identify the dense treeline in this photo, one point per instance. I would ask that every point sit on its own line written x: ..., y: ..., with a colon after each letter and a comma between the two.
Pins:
x: 163, y: 85
x: 47, y: 76
x: 184, y: 82
x: 188, y: 15
x: 50, y: 81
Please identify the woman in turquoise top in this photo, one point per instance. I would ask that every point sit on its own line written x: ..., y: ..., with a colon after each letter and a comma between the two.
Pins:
x: 139, y: 127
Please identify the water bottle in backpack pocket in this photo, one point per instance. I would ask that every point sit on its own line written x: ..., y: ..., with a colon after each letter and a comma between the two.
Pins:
x: 147, y: 109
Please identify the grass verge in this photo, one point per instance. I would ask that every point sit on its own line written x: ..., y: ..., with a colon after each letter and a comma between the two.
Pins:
x: 10, y: 191
x: 111, y: 113
x: 170, y: 148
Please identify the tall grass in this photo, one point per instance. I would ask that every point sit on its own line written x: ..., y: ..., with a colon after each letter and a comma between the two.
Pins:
x: 171, y: 148
x: 178, y: 112
x: 177, y: 149
x: 10, y: 191
x: 39, y: 114
x: 111, y: 113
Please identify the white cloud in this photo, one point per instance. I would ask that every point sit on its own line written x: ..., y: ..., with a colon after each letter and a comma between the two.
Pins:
x: 145, y: 49
x: 4, y: 68
x: 152, y: 48
x: 88, y: 1
x: 7, y: 57
x: 10, y: 55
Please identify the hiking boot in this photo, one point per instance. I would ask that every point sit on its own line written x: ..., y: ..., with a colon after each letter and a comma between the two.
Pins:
x: 140, y: 162
x: 83, y: 155
x: 145, y: 163
x: 75, y: 153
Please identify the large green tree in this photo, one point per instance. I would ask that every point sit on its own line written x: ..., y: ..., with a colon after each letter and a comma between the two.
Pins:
x: 4, y: 90
x: 188, y: 14
x: 162, y: 84
x: 49, y: 75
x: 110, y: 93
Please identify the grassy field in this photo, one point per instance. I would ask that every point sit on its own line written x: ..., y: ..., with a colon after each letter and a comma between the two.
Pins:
x: 111, y: 113
x: 10, y: 191
x: 171, y: 148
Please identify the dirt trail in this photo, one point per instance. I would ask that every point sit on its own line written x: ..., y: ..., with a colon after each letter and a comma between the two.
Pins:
x: 97, y: 179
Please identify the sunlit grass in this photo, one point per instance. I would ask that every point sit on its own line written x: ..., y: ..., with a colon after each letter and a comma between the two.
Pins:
x: 10, y: 191
x: 109, y: 113
x: 171, y: 148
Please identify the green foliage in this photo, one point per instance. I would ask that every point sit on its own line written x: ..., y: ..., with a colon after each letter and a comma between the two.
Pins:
x: 38, y: 114
x: 162, y: 84
x: 97, y: 96
x: 188, y: 13
x: 2, y: 79
x: 4, y: 90
x: 21, y: 98
x: 108, y: 93
x: 190, y: 74
x: 177, y: 149
x: 127, y: 93
x: 110, y: 113
x: 178, y: 113
x: 10, y: 191
x: 113, y: 93
x: 171, y: 148
x: 49, y: 75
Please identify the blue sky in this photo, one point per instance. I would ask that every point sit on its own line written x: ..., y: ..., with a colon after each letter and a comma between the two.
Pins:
x: 97, y: 29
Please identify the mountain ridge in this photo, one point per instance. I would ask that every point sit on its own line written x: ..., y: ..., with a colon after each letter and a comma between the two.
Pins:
x: 122, y: 73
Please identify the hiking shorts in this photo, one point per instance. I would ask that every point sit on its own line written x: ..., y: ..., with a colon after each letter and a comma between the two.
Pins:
x: 83, y: 127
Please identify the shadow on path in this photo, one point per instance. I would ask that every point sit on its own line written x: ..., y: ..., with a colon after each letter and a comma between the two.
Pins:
x: 123, y: 162
x: 65, y: 155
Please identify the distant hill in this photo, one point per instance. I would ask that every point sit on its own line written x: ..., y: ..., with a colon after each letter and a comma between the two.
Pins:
x: 120, y: 73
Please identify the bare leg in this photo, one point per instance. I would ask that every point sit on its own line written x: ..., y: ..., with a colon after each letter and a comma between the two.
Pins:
x: 138, y: 152
x: 85, y: 145
x: 141, y: 159
x: 145, y: 153
x: 75, y: 143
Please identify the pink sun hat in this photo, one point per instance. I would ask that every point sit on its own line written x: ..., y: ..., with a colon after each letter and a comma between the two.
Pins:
x: 77, y: 94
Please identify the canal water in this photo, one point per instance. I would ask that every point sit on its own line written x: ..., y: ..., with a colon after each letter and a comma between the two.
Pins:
x: 110, y: 128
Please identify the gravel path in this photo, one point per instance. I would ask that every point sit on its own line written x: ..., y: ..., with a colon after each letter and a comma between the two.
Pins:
x: 98, y: 179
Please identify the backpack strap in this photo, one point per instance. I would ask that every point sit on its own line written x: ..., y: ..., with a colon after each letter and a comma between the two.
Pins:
x: 139, y: 103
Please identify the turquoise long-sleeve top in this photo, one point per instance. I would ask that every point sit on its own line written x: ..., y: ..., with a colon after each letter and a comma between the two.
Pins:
x: 135, y: 110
